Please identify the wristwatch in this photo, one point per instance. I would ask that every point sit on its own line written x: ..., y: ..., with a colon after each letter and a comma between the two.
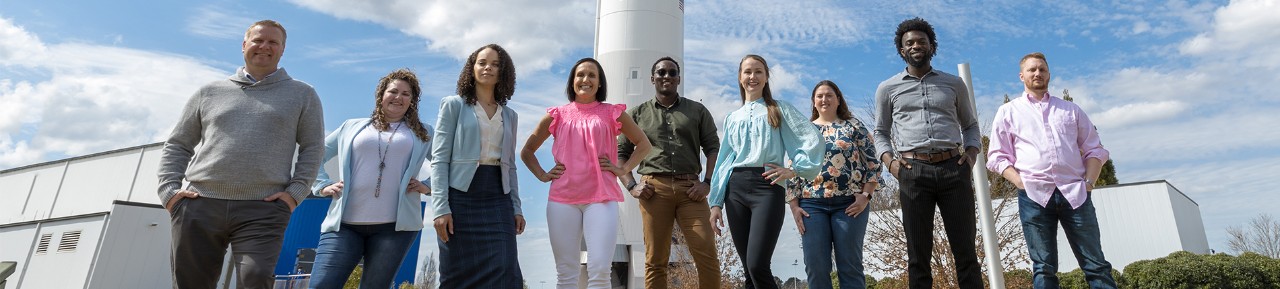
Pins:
x: 632, y: 186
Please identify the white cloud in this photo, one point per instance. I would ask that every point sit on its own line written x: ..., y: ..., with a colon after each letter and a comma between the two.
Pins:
x: 1134, y: 113
x: 95, y: 98
x: 1240, y: 31
x: 536, y: 33
x: 215, y: 21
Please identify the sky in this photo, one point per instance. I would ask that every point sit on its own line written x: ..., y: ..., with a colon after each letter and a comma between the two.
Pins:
x: 1182, y: 91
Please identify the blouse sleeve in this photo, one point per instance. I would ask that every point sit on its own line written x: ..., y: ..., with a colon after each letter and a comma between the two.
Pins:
x: 616, y: 111
x: 554, y: 113
x: 866, y: 149
x: 802, y: 142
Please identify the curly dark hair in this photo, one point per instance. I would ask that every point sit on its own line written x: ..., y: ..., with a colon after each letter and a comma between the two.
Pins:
x: 915, y: 24
x: 601, y: 93
x: 653, y: 69
x: 842, y: 110
x: 506, y: 77
x: 411, y: 115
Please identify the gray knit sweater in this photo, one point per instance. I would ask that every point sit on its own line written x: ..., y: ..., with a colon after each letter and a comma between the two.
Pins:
x: 247, y: 134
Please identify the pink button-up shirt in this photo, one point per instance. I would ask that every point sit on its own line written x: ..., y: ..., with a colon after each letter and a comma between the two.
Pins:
x: 1047, y: 141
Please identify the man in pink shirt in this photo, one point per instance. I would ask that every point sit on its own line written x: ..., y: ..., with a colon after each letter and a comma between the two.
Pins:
x: 1048, y: 148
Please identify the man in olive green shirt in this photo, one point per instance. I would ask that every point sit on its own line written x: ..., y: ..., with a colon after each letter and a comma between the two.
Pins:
x: 669, y: 190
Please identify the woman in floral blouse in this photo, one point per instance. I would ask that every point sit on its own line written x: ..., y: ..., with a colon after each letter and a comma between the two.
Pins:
x: 831, y: 209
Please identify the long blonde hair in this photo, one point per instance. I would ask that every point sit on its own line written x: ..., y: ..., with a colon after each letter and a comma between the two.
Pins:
x: 775, y: 115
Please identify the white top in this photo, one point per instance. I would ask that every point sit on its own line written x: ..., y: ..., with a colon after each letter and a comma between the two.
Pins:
x: 364, y: 207
x: 490, y: 136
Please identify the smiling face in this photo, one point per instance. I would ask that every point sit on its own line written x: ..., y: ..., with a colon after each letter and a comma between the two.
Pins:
x: 586, y: 81
x: 1035, y: 74
x: 753, y: 76
x: 487, y: 68
x: 917, y: 50
x: 666, y: 78
x: 826, y: 101
x: 396, y: 100
x: 263, y: 46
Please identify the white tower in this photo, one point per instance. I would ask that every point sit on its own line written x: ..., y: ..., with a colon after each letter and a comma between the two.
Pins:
x: 630, y: 36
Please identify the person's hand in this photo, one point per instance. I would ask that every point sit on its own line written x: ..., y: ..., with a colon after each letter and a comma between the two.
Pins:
x: 698, y: 192
x: 554, y: 173
x: 798, y: 214
x: 283, y: 196
x: 519, y: 224
x: 897, y: 164
x: 444, y: 226
x: 777, y: 174
x: 969, y: 157
x: 860, y: 201
x: 418, y: 186
x: 717, y: 222
x: 178, y: 196
x: 606, y: 165
x: 334, y: 190
x: 642, y: 191
x: 1017, y: 182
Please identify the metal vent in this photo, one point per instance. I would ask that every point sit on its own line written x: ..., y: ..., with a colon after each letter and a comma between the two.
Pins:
x: 69, y: 241
x: 43, y: 247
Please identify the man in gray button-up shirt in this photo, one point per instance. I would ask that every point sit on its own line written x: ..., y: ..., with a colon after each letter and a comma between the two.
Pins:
x: 923, y: 123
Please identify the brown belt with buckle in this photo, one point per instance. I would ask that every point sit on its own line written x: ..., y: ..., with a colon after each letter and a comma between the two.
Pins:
x: 932, y: 157
x: 675, y: 176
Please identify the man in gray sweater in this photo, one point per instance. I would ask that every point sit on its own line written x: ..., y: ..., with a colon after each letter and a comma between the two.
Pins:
x: 234, y: 144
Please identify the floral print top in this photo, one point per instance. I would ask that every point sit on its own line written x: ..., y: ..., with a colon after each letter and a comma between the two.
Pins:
x: 849, y: 162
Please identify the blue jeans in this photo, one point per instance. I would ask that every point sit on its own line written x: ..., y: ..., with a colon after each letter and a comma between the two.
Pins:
x: 828, y: 228
x: 381, y: 246
x: 1040, y: 226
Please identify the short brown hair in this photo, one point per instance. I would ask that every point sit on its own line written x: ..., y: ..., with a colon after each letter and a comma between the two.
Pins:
x: 1036, y: 55
x: 267, y: 23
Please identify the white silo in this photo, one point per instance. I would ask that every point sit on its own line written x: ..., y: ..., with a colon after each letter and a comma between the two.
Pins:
x: 630, y: 36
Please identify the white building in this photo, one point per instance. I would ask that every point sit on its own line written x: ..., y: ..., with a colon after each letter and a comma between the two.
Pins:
x: 1141, y: 221
x: 92, y: 221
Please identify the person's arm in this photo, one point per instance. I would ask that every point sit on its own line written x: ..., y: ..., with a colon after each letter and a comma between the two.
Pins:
x: 539, y: 135
x: 442, y: 155
x: 330, y: 150
x: 179, y: 149
x: 310, y: 138
x: 635, y: 135
x: 803, y: 143
x: 625, y: 150
x: 1001, y: 154
x: 1090, y: 148
x: 883, y: 128
x: 969, y: 129
x: 710, y: 143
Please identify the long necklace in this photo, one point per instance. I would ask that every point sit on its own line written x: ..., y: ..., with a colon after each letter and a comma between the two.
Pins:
x: 382, y: 157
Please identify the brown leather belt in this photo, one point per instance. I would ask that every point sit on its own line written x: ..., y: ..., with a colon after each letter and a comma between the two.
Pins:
x: 675, y: 176
x: 932, y: 157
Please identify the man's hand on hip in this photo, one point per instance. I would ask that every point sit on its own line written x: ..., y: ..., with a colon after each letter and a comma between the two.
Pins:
x: 284, y: 196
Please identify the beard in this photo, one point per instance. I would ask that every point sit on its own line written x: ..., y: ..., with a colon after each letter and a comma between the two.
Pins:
x: 921, y: 63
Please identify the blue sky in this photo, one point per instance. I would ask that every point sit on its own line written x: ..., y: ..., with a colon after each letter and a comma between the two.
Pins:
x: 1181, y: 91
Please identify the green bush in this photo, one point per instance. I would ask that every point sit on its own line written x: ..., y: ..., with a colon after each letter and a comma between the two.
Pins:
x: 1188, y: 270
x: 1075, y: 279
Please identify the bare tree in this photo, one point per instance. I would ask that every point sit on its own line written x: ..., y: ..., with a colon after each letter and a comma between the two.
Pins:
x: 1261, y: 236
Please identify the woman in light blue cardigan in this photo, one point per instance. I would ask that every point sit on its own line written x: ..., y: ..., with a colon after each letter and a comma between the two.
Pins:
x: 376, y: 211
x: 473, y: 177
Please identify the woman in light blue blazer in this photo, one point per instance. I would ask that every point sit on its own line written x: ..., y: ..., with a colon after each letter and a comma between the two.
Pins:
x: 473, y: 177
x: 376, y: 211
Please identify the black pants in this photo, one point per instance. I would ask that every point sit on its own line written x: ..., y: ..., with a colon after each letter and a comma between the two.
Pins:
x: 949, y: 186
x: 755, y: 219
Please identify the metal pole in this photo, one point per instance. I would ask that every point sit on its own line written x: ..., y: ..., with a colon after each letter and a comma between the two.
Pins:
x: 995, y: 270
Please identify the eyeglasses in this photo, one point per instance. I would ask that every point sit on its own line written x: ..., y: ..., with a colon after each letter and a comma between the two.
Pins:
x: 667, y: 73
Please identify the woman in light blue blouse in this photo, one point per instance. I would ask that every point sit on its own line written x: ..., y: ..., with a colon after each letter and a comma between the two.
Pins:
x: 830, y: 209
x: 759, y: 137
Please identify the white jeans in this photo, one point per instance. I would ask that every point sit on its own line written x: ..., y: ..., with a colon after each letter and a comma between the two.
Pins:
x: 567, y: 224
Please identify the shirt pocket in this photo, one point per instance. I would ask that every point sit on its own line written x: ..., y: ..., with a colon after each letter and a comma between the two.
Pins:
x: 1066, y: 125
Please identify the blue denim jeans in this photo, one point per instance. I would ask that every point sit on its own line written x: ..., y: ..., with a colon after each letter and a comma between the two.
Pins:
x: 1040, y: 226
x: 828, y: 228
x: 381, y: 246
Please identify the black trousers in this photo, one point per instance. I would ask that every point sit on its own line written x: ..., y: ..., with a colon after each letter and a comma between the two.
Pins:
x: 755, y: 216
x: 948, y: 186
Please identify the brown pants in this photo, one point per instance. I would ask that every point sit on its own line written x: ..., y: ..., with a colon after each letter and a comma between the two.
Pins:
x: 202, y: 229
x: 669, y: 205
